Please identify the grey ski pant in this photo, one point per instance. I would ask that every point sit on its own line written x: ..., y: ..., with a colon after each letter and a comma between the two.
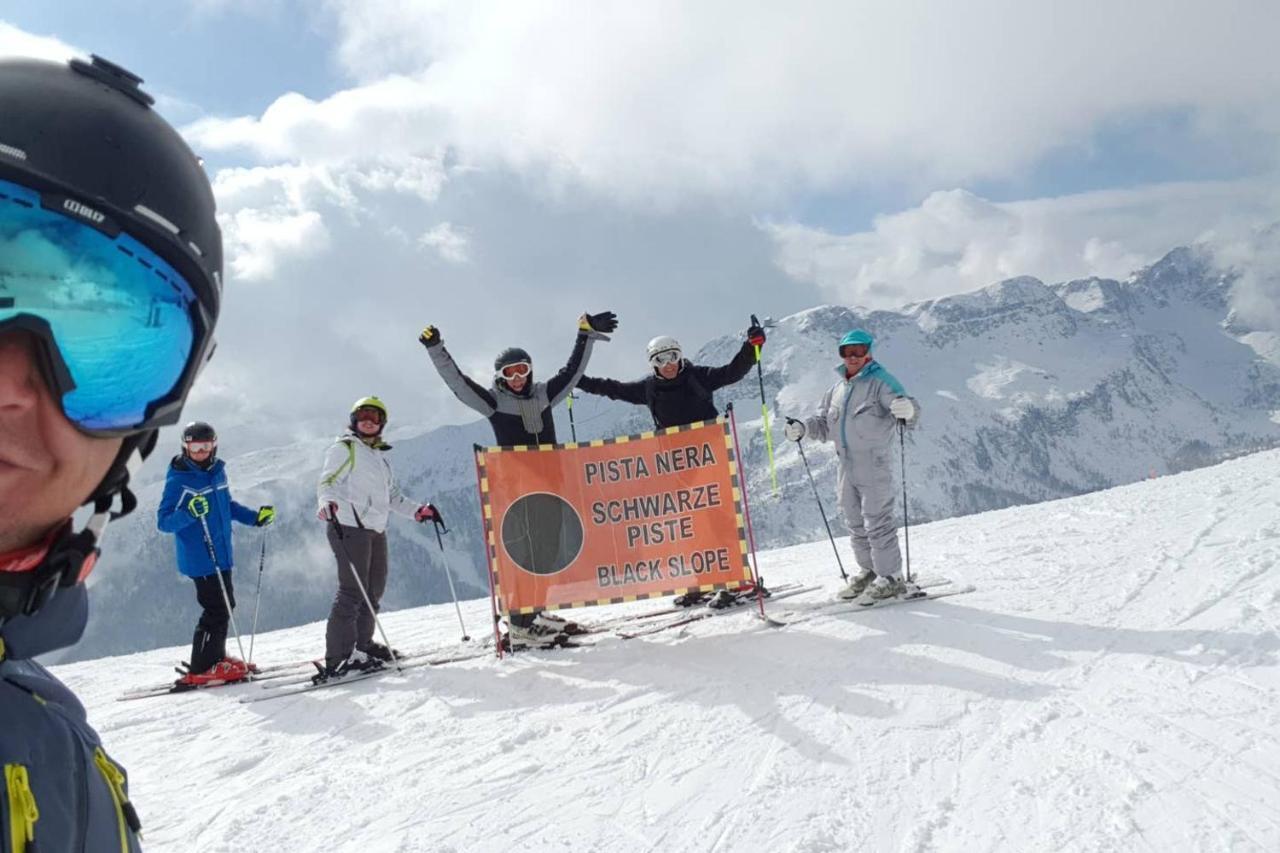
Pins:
x: 364, y: 553
x: 865, y: 485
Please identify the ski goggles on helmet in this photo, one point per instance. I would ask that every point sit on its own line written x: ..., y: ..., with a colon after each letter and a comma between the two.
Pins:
x: 118, y: 325
x: 662, y: 359
x: 518, y: 370
x: 370, y: 413
x: 201, y: 446
x: 854, y: 350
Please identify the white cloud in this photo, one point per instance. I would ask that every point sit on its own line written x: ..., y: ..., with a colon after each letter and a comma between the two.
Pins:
x: 955, y: 241
x: 447, y: 242
x: 258, y: 242
x: 271, y: 215
x: 1255, y: 258
x: 19, y: 43
x: 666, y: 99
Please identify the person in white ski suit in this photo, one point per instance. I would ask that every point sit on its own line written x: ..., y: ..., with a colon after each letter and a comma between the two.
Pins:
x: 860, y: 414
x: 357, y: 494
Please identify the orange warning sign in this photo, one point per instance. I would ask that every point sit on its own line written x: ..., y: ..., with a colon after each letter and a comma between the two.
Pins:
x: 613, y: 520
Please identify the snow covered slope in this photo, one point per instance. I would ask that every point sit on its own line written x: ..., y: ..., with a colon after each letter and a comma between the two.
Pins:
x: 1030, y: 392
x: 1111, y: 686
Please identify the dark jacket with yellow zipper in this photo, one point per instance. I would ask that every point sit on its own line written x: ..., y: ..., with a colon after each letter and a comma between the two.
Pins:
x: 61, y: 792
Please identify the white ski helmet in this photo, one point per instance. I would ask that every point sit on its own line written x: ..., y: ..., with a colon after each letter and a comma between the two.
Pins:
x: 663, y: 343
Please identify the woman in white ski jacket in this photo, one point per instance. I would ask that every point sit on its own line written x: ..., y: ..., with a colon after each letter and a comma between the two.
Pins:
x: 357, y: 494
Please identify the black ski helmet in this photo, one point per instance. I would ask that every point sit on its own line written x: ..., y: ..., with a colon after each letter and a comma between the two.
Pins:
x: 510, y: 355
x: 199, y: 431
x: 84, y: 135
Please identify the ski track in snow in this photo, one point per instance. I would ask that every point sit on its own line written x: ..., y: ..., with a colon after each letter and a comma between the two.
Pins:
x: 1112, y: 685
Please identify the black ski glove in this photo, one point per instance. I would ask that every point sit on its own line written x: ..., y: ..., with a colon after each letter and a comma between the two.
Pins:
x: 605, y: 321
x: 430, y: 337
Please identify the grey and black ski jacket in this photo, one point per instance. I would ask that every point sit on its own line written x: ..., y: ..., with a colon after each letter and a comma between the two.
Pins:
x: 523, y: 418
x: 61, y: 791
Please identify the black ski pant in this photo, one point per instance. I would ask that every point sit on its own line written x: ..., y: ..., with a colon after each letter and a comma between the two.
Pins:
x: 360, y: 553
x: 209, y: 645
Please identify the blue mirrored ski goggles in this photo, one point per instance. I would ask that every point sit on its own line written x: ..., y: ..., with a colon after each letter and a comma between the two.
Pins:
x: 119, y: 324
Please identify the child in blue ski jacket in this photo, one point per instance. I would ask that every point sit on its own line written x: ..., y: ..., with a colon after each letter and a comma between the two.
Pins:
x: 198, y: 508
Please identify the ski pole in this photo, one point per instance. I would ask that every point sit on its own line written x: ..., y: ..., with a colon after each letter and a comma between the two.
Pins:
x: 817, y: 498
x: 746, y: 509
x: 222, y: 585
x: 764, y: 410
x: 573, y: 428
x: 337, y: 530
x: 448, y: 574
x: 906, y: 525
x: 257, y: 600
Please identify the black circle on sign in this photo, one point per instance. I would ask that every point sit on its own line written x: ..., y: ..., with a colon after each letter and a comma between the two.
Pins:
x: 542, y: 533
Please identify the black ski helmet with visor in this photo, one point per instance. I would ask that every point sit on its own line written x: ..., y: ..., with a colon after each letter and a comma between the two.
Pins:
x: 87, y: 167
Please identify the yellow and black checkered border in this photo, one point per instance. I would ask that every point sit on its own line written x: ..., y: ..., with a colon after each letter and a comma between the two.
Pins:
x: 491, y: 541
x: 602, y: 442
x: 486, y: 516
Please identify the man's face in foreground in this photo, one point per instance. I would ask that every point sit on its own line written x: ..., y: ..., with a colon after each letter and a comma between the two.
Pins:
x: 47, y: 466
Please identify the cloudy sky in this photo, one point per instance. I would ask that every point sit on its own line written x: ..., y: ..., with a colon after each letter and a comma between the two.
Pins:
x: 498, y: 168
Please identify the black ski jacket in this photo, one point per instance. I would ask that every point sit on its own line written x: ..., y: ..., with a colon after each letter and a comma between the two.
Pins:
x: 683, y: 400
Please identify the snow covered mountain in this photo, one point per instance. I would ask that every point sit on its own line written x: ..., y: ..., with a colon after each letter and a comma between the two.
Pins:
x: 1113, y: 684
x: 1029, y: 392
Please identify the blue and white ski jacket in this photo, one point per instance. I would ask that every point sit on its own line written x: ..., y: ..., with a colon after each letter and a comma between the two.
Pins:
x: 184, y: 481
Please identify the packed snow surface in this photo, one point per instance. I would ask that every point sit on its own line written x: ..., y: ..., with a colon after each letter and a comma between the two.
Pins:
x: 1111, y: 685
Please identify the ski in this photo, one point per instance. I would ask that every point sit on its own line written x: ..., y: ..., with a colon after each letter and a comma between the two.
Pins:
x: 275, y: 672
x: 413, y: 659
x: 178, y: 687
x: 295, y: 688
x: 926, y: 594
x: 699, y: 614
x: 602, y: 625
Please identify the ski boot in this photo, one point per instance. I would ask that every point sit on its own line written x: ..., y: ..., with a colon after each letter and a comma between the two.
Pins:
x: 382, y: 653
x: 888, y: 586
x: 533, y: 636
x: 251, y: 668
x: 334, y: 669
x: 722, y: 600
x: 857, y: 585
x: 690, y: 598
x: 558, y: 624
x: 222, y: 672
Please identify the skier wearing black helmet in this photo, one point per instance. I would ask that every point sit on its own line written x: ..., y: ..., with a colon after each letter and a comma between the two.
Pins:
x: 198, y: 509
x: 518, y: 407
x: 110, y: 265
